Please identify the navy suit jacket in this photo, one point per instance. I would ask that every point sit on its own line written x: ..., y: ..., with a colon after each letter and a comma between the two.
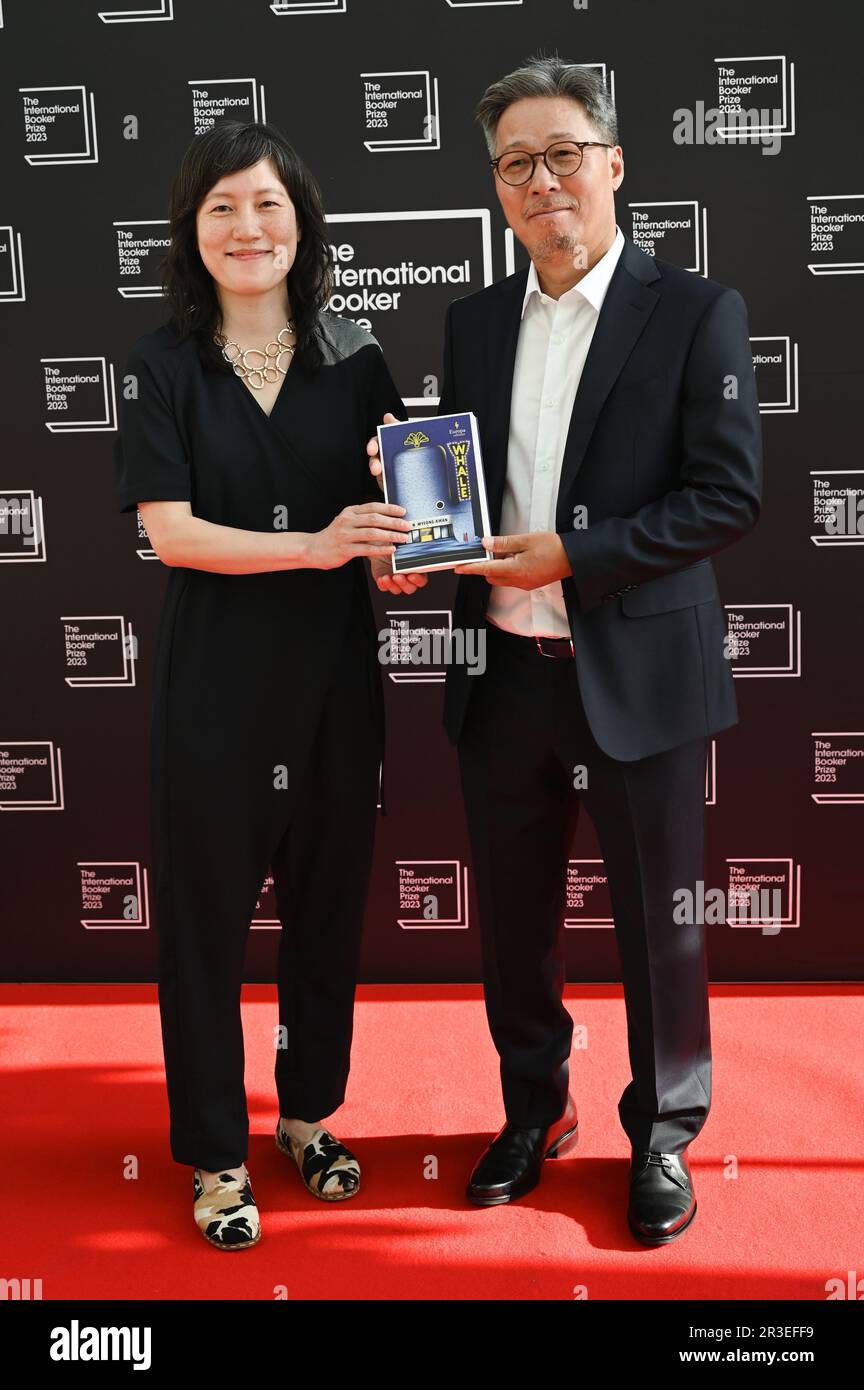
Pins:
x: 664, y: 452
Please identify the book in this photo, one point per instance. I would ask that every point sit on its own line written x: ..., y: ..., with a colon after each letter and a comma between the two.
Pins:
x: 434, y: 469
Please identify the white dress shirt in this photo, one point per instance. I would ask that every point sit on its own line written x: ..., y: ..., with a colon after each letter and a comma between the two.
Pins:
x: 554, y: 338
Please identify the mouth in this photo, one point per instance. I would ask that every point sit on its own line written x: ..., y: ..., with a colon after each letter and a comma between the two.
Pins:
x: 247, y: 255
x: 549, y: 212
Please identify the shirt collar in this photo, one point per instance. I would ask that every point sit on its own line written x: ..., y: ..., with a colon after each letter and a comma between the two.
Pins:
x: 592, y: 287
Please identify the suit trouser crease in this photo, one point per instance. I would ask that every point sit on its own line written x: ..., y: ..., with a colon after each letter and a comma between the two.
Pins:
x: 524, y: 738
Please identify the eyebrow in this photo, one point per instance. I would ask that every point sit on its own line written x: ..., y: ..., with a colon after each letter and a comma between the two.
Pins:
x: 556, y: 135
x: 223, y: 193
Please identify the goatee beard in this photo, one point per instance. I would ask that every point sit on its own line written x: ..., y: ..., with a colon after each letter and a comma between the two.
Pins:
x: 554, y: 244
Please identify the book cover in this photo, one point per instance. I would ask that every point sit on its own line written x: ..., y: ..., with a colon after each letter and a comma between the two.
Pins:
x: 434, y: 469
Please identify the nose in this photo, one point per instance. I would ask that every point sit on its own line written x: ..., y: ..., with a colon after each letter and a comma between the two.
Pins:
x: 247, y: 227
x: 543, y: 180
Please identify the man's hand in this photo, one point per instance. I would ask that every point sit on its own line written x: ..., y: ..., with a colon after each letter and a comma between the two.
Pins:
x: 390, y: 583
x: 526, y: 562
x: 372, y: 450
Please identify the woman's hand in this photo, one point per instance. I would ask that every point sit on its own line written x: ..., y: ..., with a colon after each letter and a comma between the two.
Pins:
x: 390, y: 583
x: 372, y: 449
x: 370, y: 528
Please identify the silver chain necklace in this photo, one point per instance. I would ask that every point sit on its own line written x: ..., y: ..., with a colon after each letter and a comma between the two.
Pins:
x: 269, y: 366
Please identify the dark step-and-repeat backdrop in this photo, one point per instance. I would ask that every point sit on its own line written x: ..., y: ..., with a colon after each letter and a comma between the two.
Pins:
x: 741, y: 133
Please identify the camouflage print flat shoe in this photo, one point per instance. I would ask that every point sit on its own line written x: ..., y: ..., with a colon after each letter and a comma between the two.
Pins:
x: 226, y: 1214
x: 329, y: 1170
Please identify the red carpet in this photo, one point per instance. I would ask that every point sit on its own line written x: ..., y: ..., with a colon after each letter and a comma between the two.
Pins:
x: 777, y: 1169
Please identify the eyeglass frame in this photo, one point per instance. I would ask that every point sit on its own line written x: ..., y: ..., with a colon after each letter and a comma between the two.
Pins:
x: 582, y: 145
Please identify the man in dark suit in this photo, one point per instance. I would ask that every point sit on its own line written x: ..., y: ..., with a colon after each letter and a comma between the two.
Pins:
x: 617, y: 410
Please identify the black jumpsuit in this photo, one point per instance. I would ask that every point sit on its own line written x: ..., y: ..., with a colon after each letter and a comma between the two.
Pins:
x: 266, y: 726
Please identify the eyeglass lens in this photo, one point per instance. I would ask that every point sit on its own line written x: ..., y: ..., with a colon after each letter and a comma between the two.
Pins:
x: 518, y: 167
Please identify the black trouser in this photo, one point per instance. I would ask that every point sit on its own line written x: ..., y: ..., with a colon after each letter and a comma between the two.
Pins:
x: 212, y: 861
x: 525, y: 732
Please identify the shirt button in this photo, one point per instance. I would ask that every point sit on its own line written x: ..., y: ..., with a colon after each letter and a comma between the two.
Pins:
x: 550, y: 401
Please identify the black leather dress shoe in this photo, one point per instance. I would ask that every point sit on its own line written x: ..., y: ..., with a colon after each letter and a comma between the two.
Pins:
x: 662, y: 1203
x: 511, y: 1164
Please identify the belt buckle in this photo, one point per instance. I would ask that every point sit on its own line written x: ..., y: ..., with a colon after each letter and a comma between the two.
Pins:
x: 552, y: 655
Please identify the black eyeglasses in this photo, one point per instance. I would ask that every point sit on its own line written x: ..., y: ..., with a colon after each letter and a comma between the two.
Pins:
x: 517, y: 166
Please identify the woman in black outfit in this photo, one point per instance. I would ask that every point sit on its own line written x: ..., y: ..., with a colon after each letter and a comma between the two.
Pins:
x: 266, y: 733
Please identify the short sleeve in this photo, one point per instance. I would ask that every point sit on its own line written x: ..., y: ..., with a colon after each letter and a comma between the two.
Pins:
x: 150, y: 460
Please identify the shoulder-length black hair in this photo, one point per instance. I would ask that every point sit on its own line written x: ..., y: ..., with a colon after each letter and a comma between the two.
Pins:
x: 186, y: 281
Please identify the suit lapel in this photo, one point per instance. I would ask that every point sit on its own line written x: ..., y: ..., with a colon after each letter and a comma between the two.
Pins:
x: 501, y: 349
x: 627, y: 307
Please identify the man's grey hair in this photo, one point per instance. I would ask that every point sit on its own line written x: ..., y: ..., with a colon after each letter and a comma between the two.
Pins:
x: 549, y: 77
